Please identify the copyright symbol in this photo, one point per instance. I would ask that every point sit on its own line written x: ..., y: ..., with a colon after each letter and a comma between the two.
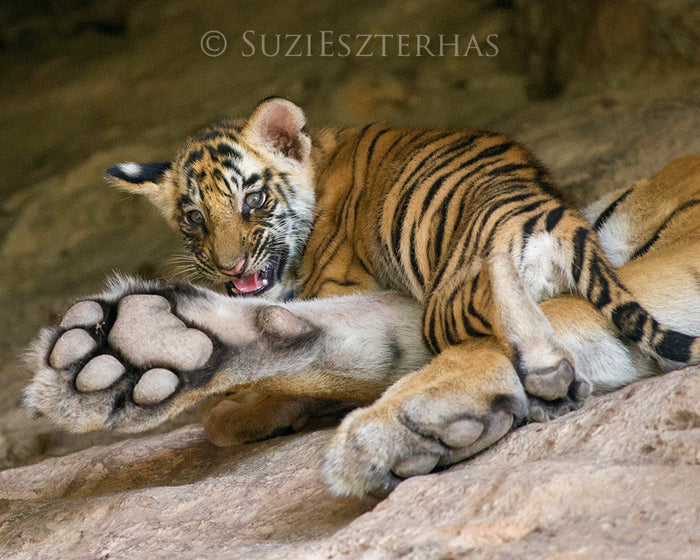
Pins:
x: 213, y: 43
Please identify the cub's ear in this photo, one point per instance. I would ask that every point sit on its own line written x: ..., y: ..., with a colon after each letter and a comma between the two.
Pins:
x: 138, y: 177
x: 278, y: 127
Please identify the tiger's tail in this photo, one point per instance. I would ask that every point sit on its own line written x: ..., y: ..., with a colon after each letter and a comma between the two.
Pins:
x: 597, y: 281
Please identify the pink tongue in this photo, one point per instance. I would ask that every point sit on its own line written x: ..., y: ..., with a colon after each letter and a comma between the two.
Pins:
x: 249, y: 283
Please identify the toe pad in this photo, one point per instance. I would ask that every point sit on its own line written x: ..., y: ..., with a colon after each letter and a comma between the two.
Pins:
x: 155, y: 386
x: 83, y: 314
x: 99, y: 373
x: 73, y: 345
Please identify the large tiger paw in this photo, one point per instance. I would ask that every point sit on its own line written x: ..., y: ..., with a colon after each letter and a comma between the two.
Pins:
x: 464, y: 401
x: 123, y: 360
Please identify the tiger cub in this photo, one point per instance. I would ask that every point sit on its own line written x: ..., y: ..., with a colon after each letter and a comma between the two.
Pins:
x: 267, y: 208
x: 140, y: 352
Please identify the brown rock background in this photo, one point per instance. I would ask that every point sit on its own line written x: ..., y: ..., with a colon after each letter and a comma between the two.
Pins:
x: 605, y: 92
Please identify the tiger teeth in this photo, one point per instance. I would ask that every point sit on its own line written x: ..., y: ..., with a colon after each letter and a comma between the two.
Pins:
x: 264, y: 282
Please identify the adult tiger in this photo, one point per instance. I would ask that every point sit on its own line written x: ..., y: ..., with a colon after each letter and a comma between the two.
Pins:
x: 468, y: 223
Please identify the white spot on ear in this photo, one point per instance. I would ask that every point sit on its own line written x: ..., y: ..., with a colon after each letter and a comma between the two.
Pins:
x: 131, y: 169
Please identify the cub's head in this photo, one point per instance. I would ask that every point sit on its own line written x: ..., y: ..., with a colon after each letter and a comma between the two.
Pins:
x: 242, y: 195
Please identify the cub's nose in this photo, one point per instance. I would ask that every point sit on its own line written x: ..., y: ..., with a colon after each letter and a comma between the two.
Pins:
x: 235, y: 270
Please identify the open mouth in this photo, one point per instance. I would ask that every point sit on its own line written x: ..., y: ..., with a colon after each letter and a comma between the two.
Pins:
x: 256, y: 283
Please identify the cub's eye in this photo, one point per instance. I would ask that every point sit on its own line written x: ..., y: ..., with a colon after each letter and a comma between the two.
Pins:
x: 194, y: 218
x: 254, y: 200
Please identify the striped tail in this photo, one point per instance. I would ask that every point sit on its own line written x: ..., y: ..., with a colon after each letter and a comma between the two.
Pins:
x: 597, y: 281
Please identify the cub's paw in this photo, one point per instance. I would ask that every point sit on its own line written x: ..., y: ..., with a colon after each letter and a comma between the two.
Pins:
x: 123, y: 361
x: 543, y: 410
x: 422, y: 422
x: 550, y: 376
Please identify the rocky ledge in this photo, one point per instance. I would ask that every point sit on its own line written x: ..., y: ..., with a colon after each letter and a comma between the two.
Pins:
x: 616, y: 479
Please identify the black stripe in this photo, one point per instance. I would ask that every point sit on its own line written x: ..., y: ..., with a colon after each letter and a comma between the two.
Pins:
x: 554, y: 217
x: 543, y: 182
x: 228, y: 151
x: 597, y: 280
x: 470, y: 308
x: 414, y: 261
x: 675, y: 346
x: 491, y: 151
x: 193, y: 156
x: 629, y: 318
x: 250, y: 180
x: 579, y: 242
x: 510, y: 167
x: 529, y: 226
x: 605, y: 214
x: 430, y: 339
x: 654, y: 238
x: 210, y: 134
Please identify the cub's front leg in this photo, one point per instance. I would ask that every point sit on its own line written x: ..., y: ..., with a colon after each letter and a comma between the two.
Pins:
x: 139, y: 353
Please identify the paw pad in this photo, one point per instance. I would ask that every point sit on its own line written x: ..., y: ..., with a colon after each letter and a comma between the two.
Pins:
x: 155, y: 385
x: 72, y: 346
x: 99, y: 373
x: 148, y: 332
x: 550, y: 383
x: 83, y: 314
x: 413, y: 465
x: 462, y: 433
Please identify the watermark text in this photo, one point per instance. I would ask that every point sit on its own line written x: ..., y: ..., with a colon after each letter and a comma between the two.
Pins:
x: 328, y: 43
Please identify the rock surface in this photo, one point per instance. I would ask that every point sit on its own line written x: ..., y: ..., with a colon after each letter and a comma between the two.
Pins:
x: 616, y: 479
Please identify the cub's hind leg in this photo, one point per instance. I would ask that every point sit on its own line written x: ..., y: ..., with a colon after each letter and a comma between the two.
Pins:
x: 490, y: 298
x: 545, y: 365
